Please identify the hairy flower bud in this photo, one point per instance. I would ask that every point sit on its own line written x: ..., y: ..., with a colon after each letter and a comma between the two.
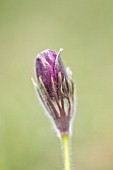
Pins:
x: 55, y: 88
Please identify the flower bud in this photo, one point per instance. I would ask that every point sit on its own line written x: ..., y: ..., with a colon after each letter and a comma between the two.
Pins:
x: 55, y: 88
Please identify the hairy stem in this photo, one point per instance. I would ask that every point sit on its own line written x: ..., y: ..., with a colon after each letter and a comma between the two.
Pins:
x: 66, y: 152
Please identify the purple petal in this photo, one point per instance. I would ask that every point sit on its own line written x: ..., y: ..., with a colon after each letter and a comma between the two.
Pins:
x: 59, y: 67
x: 44, y: 68
x: 49, y: 56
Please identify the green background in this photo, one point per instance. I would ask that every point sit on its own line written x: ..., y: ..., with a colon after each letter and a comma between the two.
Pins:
x: 84, y: 29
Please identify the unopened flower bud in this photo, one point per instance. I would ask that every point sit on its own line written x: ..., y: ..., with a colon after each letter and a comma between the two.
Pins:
x: 55, y: 88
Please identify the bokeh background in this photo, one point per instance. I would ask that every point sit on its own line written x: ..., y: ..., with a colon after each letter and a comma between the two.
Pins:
x: 84, y: 29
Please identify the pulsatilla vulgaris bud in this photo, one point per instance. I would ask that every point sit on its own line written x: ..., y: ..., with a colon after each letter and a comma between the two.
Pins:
x: 55, y: 88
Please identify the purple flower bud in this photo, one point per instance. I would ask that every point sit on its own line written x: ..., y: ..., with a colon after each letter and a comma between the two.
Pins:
x: 49, y: 65
x: 55, y: 88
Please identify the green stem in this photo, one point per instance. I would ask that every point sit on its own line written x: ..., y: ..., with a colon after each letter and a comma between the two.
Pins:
x: 66, y: 150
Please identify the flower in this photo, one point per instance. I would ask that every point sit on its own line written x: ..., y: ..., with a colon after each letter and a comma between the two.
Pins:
x: 55, y: 88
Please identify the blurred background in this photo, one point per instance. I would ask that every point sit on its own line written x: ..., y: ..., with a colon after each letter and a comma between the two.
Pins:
x: 84, y: 29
